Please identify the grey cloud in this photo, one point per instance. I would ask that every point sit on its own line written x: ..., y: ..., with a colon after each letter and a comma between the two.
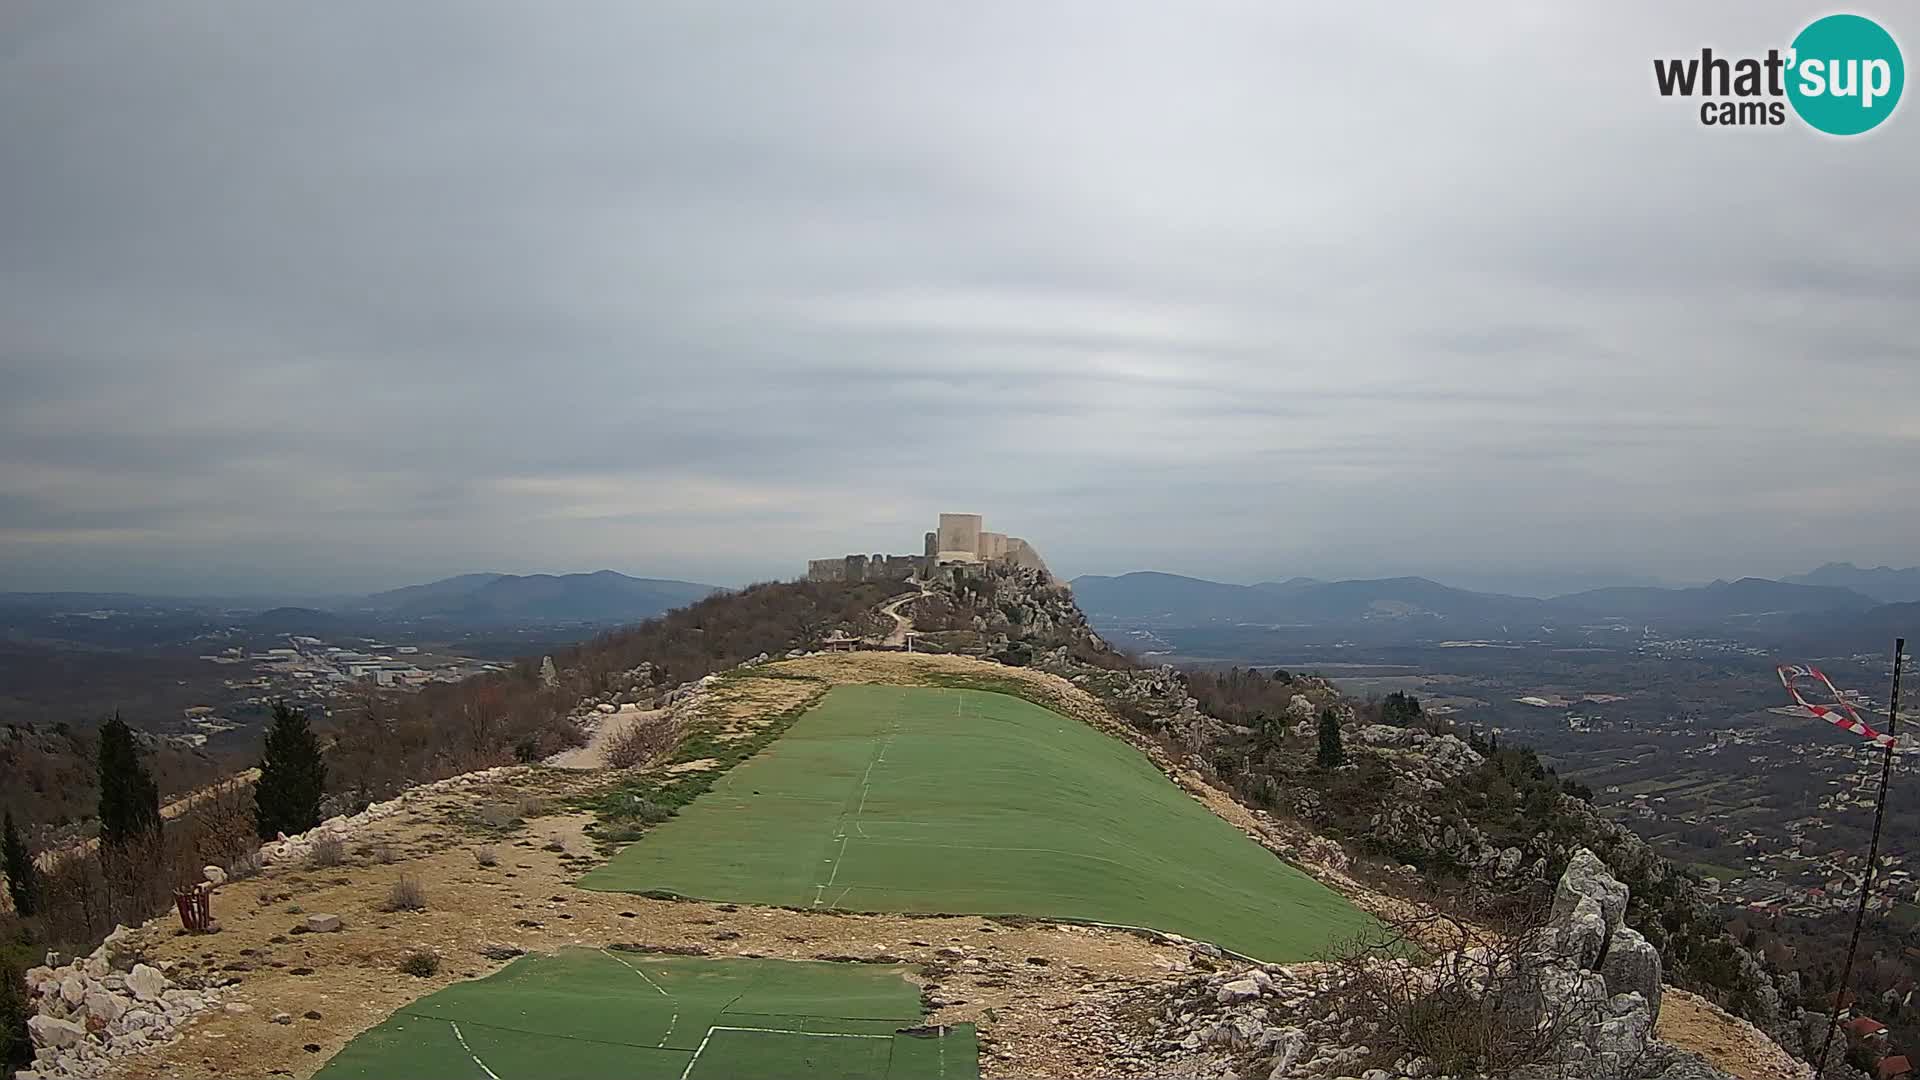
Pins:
x: 344, y: 295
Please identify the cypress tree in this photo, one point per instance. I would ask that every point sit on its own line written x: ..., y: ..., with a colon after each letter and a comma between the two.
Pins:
x: 129, y: 799
x: 1332, y: 754
x: 293, y: 778
x: 22, y: 878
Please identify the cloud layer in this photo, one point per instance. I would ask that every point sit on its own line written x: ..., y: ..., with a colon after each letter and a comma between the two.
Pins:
x: 312, y: 297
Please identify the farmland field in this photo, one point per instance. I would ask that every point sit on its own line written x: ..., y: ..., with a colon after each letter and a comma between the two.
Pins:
x: 916, y: 799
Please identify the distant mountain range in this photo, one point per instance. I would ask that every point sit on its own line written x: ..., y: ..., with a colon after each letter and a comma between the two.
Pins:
x: 1150, y: 599
x: 602, y: 596
x: 1883, y: 583
x: 467, y: 601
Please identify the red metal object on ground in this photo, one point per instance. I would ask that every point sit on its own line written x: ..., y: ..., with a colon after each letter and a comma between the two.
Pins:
x: 196, y: 907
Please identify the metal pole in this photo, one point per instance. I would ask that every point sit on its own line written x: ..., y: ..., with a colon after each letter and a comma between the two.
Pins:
x: 1873, y: 852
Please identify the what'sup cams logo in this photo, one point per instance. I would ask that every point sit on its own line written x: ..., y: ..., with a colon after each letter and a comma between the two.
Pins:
x: 1842, y: 75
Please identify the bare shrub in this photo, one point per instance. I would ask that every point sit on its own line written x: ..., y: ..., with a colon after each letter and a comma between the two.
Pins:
x: 496, y: 816
x: 407, y: 894
x: 642, y: 742
x: 1481, y: 1007
x: 420, y: 963
x: 383, y: 853
x: 244, y: 866
x: 328, y: 850
x: 486, y: 856
x: 530, y: 806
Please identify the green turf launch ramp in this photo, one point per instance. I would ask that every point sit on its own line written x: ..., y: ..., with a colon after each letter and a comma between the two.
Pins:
x: 916, y: 799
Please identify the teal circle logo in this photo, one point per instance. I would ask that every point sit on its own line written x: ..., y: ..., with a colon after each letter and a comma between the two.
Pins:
x: 1846, y: 74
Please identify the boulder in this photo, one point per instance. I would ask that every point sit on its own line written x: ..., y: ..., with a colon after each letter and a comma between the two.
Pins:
x: 1582, y: 934
x: 146, y: 982
x: 214, y: 875
x: 73, y: 989
x: 1632, y: 966
x: 47, y: 1031
x: 1238, y: 990
x: 1587, y: 876
x: 105, y: 1007
x: 322, y: 924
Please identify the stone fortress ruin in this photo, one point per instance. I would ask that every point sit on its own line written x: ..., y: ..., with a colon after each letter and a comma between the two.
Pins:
x: 959, y: 539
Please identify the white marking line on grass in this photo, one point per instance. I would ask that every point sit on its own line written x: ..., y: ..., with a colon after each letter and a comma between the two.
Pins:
x: 820, y: 890
x: 469, y: 1050
x: 688, y: 1071
x: 663, y: 993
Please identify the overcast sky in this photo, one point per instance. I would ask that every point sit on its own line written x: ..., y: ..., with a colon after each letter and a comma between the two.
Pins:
x: 303, y: 296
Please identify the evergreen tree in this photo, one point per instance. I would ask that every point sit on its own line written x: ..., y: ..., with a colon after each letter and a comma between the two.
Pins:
x: 129, y: 799
x: 16, y: 1042
x: 22, y: 879
x: 1400, y: 709
x: 1332, y: 754
x: 293, y: 778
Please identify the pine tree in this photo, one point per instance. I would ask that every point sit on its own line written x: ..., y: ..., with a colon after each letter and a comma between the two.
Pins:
x: 129, y: 799
x: 293, y: 778
x: 23, y: 882
x: 1332, y: 754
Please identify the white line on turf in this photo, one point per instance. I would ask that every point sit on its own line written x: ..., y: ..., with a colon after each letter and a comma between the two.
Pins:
x: 469, y: 1050
x: 688, y: 1071
x: 675, y: 1019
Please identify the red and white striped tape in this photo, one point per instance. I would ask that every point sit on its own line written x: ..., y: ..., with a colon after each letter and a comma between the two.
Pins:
x: 1839, y: 714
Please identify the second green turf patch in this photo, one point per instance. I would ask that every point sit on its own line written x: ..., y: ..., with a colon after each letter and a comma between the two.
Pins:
x: 915, y: 799
x: 598, y: 1013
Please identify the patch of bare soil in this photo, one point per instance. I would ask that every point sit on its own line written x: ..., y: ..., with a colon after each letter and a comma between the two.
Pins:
x: 1727, y: 1042
x: 594, y: 754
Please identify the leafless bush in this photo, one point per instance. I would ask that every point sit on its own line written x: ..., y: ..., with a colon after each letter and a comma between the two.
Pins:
x: 530, y: 806
x: 328, y: 850
x: 407, y: 894
x: 421, y: 963
x: 1481, y: 1006
x: 383, y: 853
x: 642, y: 741
x: 486, y: 856
x: 496, y: 816
x: 244, y: 865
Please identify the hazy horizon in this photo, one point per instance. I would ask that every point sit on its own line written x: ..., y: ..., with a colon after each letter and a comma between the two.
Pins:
x: 700, y: 292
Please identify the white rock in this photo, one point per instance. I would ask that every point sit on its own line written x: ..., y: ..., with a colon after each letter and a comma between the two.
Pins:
x: 106, y: 1007
x: 322, y: 924
x: 214, y: 875
x: 146, y: 982
x: 73, y: 989
x: 50, y: 1032
x: 1238, y: 990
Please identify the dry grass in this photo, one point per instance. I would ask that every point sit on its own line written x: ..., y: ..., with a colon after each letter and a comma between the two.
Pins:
x: 407, y: 894
x: 642, y: 742
x: 327, y: 851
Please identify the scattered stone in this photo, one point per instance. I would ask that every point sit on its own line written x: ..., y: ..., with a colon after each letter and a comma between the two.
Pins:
x: 280, y: 1018
x: 323, y: 924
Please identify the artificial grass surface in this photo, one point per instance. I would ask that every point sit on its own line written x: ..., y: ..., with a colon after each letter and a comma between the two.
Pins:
x: 590, y: 1014
x: 915, y: 799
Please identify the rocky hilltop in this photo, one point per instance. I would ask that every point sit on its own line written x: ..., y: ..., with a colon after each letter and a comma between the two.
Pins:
x: 313, y: 943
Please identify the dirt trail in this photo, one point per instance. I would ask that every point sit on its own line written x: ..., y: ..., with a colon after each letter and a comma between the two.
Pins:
x: 902, y: 623
x: 594, y: 754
